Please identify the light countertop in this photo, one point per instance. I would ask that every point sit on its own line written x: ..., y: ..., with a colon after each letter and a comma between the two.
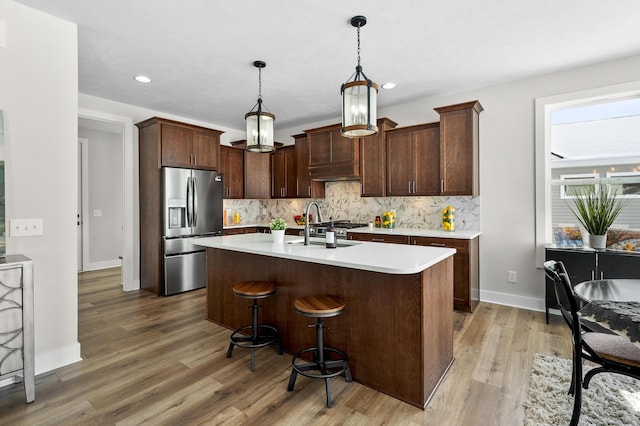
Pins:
x: 368, y: 256
x: 417, y: 232
x: 414, y: 232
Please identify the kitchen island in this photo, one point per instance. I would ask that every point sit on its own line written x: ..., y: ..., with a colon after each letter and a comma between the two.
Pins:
x: 397, y: 328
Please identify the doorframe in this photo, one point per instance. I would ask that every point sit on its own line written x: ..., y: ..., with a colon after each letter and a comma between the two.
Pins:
x: 130, y: 243
x: 84, y: 191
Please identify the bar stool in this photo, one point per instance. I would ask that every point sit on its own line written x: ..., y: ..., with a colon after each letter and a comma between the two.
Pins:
x: 327, y: 362
x: 254, y: 290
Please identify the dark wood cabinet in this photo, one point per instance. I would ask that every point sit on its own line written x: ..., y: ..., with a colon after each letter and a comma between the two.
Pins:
x: 284, y: 173
x: 238, y: 231
x: 232, y: 168
x: 305, y: 187
x: 181, y: 145
x: 586, y: 264
x: 257, y: 175
x: 332, y: 156
x: 466, y: 269
x: 413, y: 161
x: 459, y: 148
x: 206, y: 149
x: 164, y: 142
x: 373, y: 161
x: 379, y: 238
x: 257, y: 172
x: 466, y: 262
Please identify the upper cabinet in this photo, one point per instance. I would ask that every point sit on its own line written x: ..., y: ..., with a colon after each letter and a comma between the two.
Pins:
x: 373, y: 161
x: 459, y: 148
x: 305, y: 187
x: 257, y: 172
x: 332, y: 156
x: 284, y: 173
x: 180, y: 145
x: 232, y: 169
x: 257, y: 175
x: 413, y: 161
x: 436, y: 158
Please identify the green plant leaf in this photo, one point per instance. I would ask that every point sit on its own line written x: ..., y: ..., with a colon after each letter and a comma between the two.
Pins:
x: 596, y: 208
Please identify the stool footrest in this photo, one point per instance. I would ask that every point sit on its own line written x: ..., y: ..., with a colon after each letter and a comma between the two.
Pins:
x: 242, y: 340
x: 325, y: 368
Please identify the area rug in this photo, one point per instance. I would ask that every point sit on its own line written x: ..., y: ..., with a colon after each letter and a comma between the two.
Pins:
x: 611, y: 399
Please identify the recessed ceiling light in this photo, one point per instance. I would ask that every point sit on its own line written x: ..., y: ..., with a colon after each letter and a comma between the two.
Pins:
x: 142, y: 79
x: 388, y: 85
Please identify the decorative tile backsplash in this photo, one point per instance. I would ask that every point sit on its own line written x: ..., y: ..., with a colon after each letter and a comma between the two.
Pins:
x: 343, y: 201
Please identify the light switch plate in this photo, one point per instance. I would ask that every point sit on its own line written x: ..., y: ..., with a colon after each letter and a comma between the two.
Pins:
x: 26, y: 227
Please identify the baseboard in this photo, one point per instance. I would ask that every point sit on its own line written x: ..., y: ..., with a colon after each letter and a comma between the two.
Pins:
x: 105, y: 264
x: 523, y: 302
x: 57, y: 358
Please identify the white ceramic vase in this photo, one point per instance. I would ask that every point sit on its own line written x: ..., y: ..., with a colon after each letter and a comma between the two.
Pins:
x: 598, y: 242
x: 277, y: 235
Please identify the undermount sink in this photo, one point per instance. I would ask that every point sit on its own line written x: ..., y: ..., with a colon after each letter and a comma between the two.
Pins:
x: 321, y: 242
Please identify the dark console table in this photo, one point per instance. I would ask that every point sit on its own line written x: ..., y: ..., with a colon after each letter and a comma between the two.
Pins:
x: 585, y: 264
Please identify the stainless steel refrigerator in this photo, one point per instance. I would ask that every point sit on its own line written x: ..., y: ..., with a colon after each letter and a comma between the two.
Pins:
x: 192, y: 207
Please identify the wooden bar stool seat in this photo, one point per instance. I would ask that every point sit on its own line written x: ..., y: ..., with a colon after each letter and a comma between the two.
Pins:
x: 327, y: 362
x: 260, y: 334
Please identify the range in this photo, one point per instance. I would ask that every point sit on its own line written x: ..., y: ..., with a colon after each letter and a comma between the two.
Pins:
x: 319, y: 229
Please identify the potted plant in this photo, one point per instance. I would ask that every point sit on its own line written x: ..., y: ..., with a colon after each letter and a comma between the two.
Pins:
x: 596, y: 207
x: 277, y: 226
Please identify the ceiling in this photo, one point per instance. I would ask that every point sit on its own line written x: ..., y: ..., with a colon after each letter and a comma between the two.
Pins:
x: 199, y: 53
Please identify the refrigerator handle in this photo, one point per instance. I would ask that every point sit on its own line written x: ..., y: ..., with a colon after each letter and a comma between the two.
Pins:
x: 194, y: 191
x: 189, y: 196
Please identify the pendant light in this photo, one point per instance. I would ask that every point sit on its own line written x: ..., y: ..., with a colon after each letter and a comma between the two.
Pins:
x: 359, y: 96
x: 259, y: 122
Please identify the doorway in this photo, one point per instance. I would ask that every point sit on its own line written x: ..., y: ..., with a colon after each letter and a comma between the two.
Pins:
x: 129, y: 244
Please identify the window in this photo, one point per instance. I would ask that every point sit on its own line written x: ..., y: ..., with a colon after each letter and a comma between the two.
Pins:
x: 594, y: 132
x: 628, y: 184
x: 578, y: 184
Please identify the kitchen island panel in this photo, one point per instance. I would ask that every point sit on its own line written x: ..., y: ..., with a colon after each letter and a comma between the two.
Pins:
x: 397, y: 329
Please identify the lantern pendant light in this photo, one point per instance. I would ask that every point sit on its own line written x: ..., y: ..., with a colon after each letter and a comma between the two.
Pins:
x: 259, y: 122
x: 359, y: 97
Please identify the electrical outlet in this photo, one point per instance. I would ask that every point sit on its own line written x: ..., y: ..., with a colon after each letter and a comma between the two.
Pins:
x: 97, y: 213
x: 26, y: 227
x: 513, y: 277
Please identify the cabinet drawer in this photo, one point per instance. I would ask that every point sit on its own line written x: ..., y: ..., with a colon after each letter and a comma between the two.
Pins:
x: 380, y: 238
x: 462, y: 246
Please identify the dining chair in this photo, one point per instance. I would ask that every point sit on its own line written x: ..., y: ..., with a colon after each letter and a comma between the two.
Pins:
x: 612, y: 353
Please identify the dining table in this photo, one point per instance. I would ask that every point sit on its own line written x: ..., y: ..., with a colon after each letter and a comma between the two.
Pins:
x: 612, y: 303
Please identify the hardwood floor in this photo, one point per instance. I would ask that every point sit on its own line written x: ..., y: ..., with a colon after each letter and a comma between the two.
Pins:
x: 155, y: 360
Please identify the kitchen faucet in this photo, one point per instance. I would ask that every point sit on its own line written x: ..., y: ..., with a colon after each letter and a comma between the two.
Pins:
x: 306, y: 219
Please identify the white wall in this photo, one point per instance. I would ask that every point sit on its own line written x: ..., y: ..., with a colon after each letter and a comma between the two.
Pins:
x: 38, y: 92
x: 105, y: 195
